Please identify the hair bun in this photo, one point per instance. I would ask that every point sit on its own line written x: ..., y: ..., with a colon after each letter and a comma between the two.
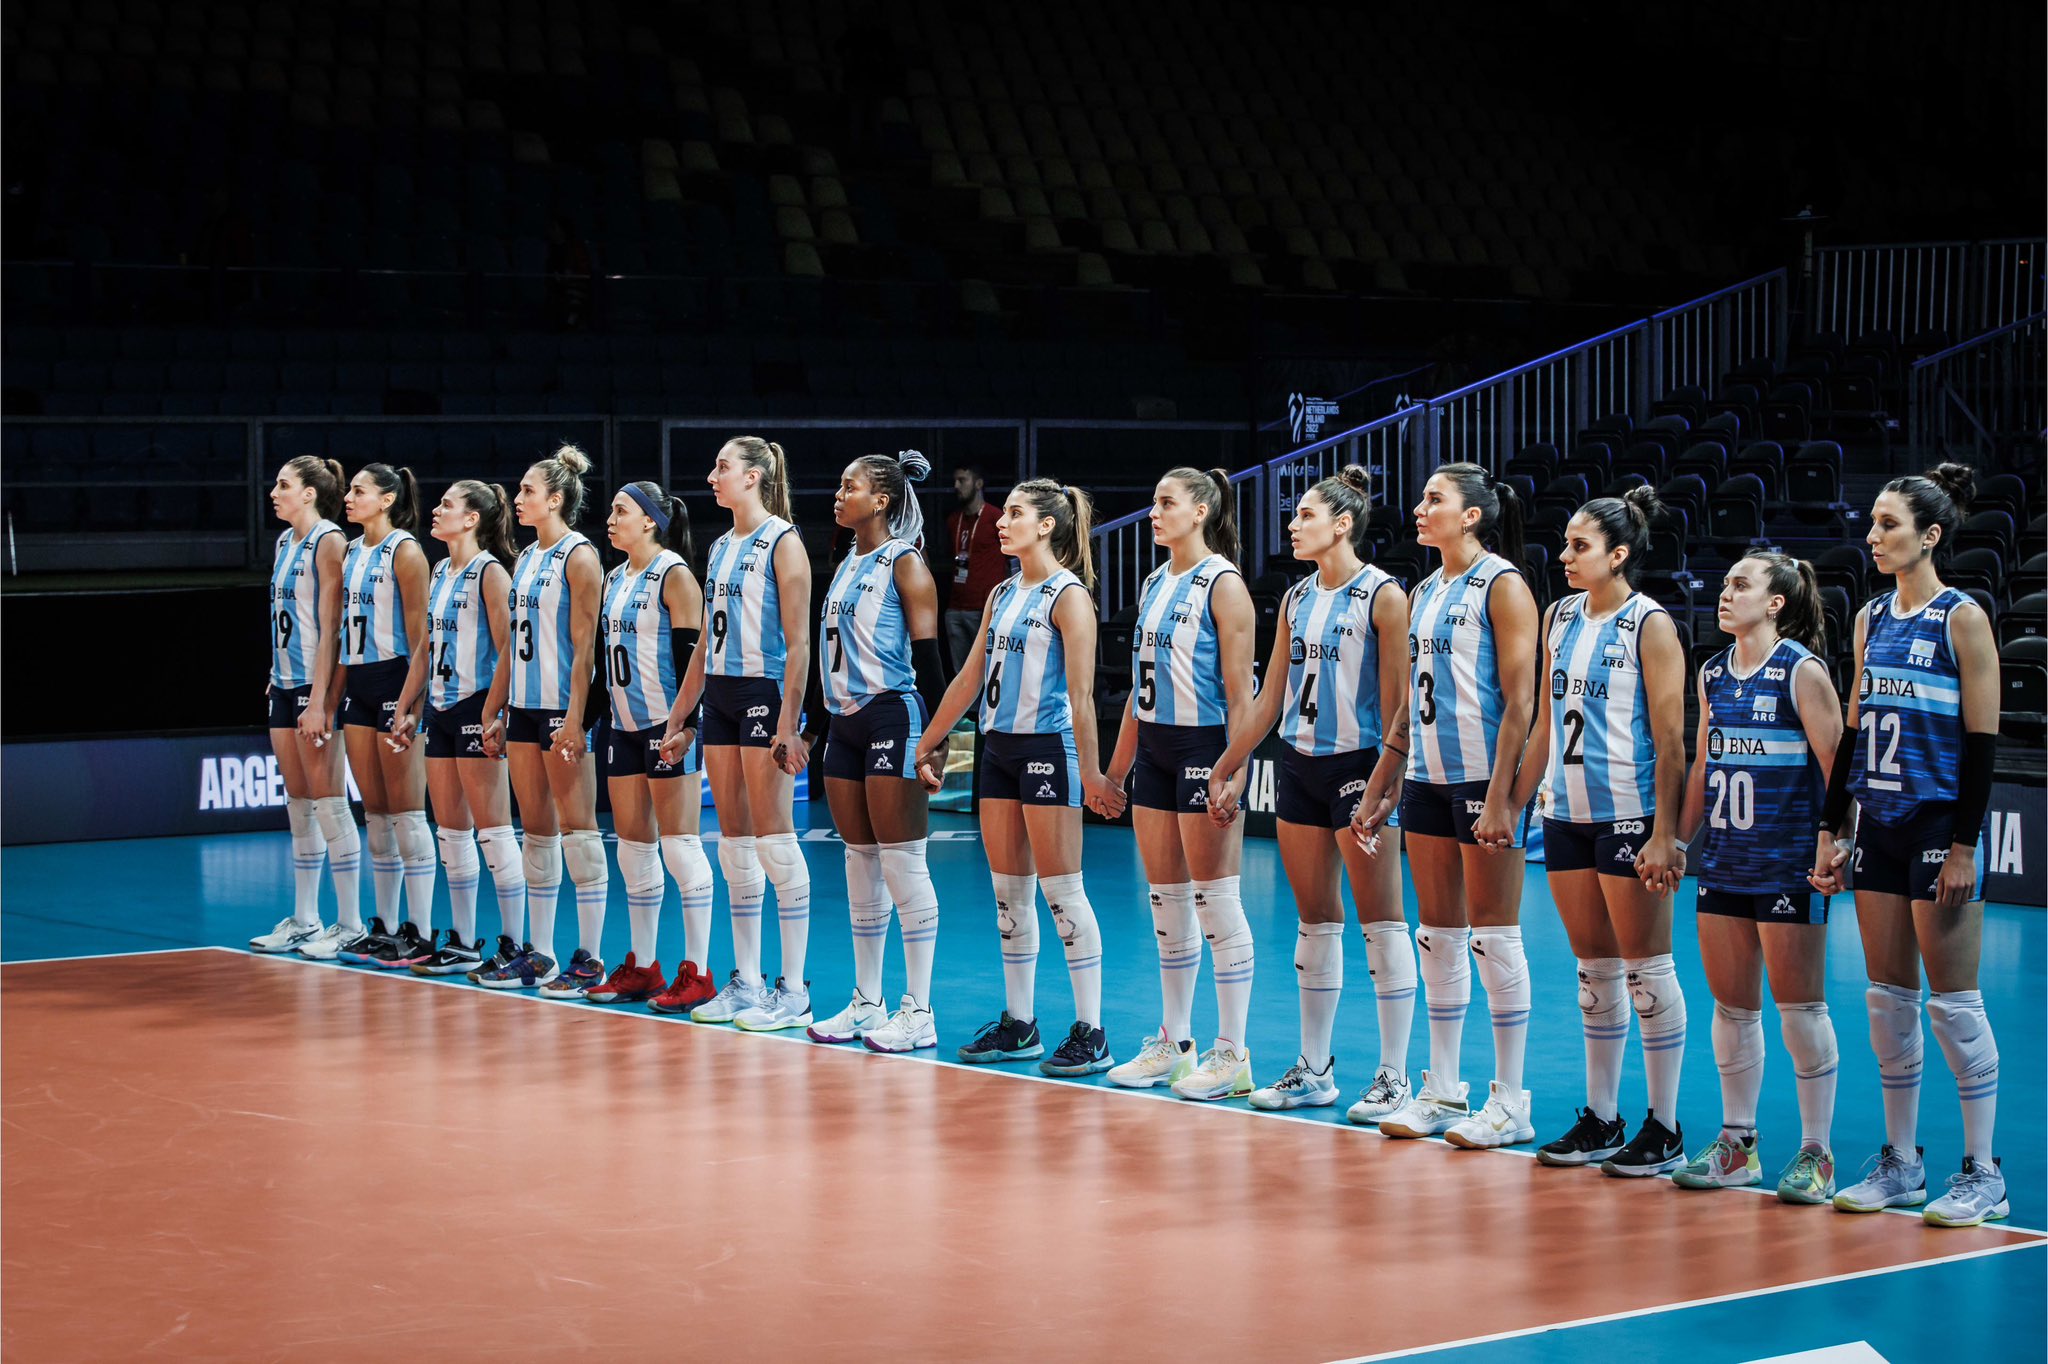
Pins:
x: 1959, y: 481
x: 1356, y: 476
x: 573, y: 459
x: 916, y: 467
x: 1643, y: 500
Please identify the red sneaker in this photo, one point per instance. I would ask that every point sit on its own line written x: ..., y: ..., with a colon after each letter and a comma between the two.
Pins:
x: 629, y: 984
x: 692, y: 988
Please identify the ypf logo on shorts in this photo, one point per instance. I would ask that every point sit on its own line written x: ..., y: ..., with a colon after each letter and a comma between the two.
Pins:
x: 1351, y: 788
x: 1195, y: 773
x: 1628, y: 826
x: 1475, y: 807
x: 881, y: 745
x: 1038, y: 769
x: 1934, y: 857
x: 757, y: 712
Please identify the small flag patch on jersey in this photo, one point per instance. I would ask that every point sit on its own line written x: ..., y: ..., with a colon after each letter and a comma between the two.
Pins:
x: 1615, y: 651
x: 1922, y: 650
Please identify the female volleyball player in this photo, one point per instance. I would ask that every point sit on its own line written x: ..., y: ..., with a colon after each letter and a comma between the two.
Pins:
x: 750, y: 673
x: 545, y: 674
x: 878, y: 667
x: 468, y: 621
x: 1034, y: 680
x: 383, y: 626
x: 1472, y: 660
x: 1192, y: 684
x: 1336, y: 670
x: 646, y: 635
x: 1922, y: 739
x: 1769, y: 723
x: 305, y: 616
x: 1610, y: 742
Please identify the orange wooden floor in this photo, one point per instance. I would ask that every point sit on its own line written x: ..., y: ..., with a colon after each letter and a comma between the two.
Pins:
x: 212, y: 1156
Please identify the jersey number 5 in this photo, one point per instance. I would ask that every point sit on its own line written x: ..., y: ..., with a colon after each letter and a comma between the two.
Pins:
x: 1148, y: 684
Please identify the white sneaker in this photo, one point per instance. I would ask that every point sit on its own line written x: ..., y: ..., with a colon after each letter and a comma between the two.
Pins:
x: 1223, y: 1072
x: 327, y: 943
x: 1300, y: 1087
x: 1430, y: 1113
x: 910, y: 1028
x: 850, y: 1024
x: 1504, y: 1121
x: 735, y: 999
x: 286, y: 937
x: 1157, y: 1060
x: 784, y: 1008
x: 1386, y: 1094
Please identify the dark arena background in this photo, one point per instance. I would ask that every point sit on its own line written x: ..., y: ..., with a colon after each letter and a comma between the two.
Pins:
x: 1762, y: 257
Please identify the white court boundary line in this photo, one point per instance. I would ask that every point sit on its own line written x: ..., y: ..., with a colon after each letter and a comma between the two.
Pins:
x: 103, y: 956
x: 1746, y: 1293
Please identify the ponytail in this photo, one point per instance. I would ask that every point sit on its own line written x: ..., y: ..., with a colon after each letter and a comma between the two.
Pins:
x: 563, y: 473
x: 1501, y: 515
x: 891, y: 476
x: 494, y: 517
x: 325, y: 478
x: 1625, y: 524
x: 675, y: 535
x: 1212, y: 489
x: 769, y: 458
x: 404, y: 490
x: 1939, y: 497
x: 1802, y: 619
x: 1348, y: 492
x: 1072, y: 516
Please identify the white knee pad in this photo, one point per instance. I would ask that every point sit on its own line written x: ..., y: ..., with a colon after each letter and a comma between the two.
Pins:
x: 1809, y: 1035
x: 866, y: 890
x: 1016, y: 912
x: 1895, y: 1028
x: 783, y: 862
x: 380, y: 835
x: 1219, y: 908
x: 1503, y: 963
x: 684, y: 856
x: 458, y: 853
x: 1073, y: 918
x: 337, y: 824
x: 1965, y: 1035
x: 1653, y: 986
x: 1738, y: 1039
x: 1390, y: 957
x: 1603, y: 993
x: 640, y: 867
x: 1174, y: 923
x: 543, y: 857
x: 1319, y: 956
x: 501, y: 854
x: 415, y: 837
x: 1446, y: 964
x: 305, y: 823
x: 583, y: 856
x: 905, y: 873
x: 742, y: 868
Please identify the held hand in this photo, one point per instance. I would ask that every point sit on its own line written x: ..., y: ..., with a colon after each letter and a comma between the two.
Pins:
x: 494, y: 736
x: 402, y: 731
x: 1829, y: 858
x: 1225, y: 789
x: 931, y: 765
x: 791, y: 752
x: 1661, y: 865
x: 675, y: 743
x: 1102, y: 796
x: 313, y: 725
x: 1957, y: 885
x: 568, y: 742
x: 1494, y: 830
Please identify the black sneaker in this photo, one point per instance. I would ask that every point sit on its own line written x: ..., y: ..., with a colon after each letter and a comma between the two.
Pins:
x: 1654, y: 1150
x: 498, y: 960
x: 1085, y: 1052
x: 1003, y: 1040
x: 1591, y: 1140
x: 451, y: 956
x: 401, y: 949
x: 363, y: 949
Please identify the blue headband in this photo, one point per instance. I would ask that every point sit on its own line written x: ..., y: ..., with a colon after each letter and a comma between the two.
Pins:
x: 648, y: 505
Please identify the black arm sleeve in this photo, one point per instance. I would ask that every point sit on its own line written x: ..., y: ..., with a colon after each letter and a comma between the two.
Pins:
x: 931, y: 673
x: 682, y: 643
x: 1973, y: 789
x: 1834, y: 808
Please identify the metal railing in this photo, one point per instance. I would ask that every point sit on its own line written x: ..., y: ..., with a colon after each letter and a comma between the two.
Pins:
x: 1977, y: 398
x: 1911, y: 288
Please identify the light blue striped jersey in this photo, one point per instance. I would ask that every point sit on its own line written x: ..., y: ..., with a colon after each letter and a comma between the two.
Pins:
x: 634, y: 648
x: 1177, y: 671
x: 295, y: 606
x: 543, y: 655
x: 462, y: 655
x: 1764, y: 786
x: 1909, y: 713
x: 1454, y: 694
x: 742, y: 608
x: 862, y: 631
x: 1603, y: 762
x: 1024, y: 659
x: 372, y: 611
x: 1333, y: 665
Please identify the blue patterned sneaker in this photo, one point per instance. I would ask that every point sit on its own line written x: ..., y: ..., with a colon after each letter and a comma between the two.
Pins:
x: 528, y: 969
x: 584, y: 972
x: 1890, y: 1180
x: 1085, y: 1052
x: 1006, y: 1039
x: 1974, y: 1197
x: 506, y: 950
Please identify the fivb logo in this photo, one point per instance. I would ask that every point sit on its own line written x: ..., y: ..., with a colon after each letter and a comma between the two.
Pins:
x: 231, y: 782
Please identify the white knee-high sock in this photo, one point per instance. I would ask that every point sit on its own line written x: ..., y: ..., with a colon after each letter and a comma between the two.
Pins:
x: 590, y: 872
x: 422, y: 868
x: 1017, y: 927
x: 867, y: 905
x: 1390, y: 959
x: 1895, y: 1037
x: 1073, y: 918
x: 1447, y: 989
x: 1319, y: 976
x: 745, y: 888
x: 500, y: 848
x: 1739, y: 1055
x: 1964, y: 1032
x: 917, y: 908
x: 387, y: 865
x: 1660, y: 1013
x: 458, y: 854
x: 1504, y: 971
x: 309, y: 855
x: 344, y: 857
x: 1180, y: 957
x: 684, y: 855
x: 640, y: 869
x: 783, y: 861
x: 1604, y: 1012
x: 543, y: 859
x: 1809, y: 1035
x: 1221, y: 913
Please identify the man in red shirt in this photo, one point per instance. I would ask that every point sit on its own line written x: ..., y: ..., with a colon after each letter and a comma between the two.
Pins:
x: 978, y: 563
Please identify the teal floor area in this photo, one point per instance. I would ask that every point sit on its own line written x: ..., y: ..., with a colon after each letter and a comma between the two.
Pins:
x: 68, y: 900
